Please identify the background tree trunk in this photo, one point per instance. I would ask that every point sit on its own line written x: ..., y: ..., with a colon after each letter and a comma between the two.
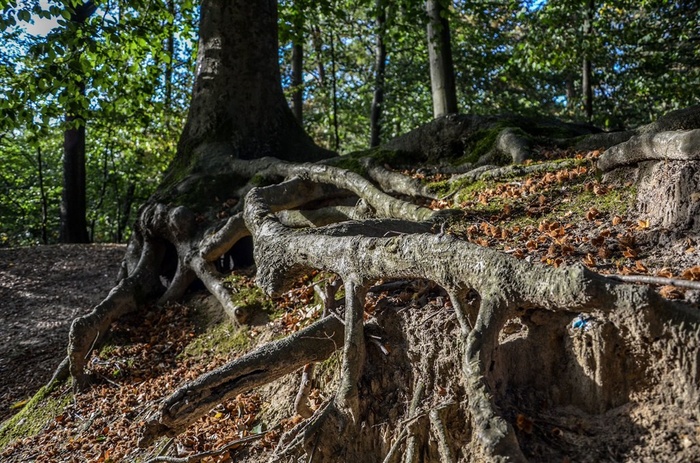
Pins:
x: 298, y: 82
x: 380, y: 66
x: 73, y: 221
x: 442, y: 79
x: 44, y: 199
x: 298, y: 63
x: 73, y: 200
x: 586, y: 83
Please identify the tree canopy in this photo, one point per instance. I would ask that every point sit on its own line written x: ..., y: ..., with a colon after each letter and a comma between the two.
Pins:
x: 136, y: 62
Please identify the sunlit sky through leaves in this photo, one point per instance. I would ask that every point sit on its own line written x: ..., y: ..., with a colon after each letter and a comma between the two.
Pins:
x: 39, y: 26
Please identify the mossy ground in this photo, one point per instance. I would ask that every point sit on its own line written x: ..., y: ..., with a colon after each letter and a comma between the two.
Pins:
x: 39, y: 412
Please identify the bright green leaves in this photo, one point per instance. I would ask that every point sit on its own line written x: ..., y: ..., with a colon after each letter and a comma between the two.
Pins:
x: 110, y: 72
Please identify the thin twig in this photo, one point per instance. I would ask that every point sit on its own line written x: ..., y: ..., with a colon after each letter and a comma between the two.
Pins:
x: 94, y: 341
x: 649, y: 280
x: 395, y: 446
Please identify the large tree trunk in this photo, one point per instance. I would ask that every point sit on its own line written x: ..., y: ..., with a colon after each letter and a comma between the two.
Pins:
x: 238, y: 107
x: 238, y: 111
x: 442, y: 79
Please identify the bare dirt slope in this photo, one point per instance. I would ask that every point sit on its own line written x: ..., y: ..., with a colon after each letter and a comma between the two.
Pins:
x: 42, y: 289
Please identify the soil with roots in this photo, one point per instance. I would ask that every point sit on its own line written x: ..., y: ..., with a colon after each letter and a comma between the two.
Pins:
x: 517, y: 313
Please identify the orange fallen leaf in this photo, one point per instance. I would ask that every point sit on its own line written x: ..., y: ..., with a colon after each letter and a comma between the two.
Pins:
x: 600, y: 189
x: 630, y: 253
x: 640, y: 267
x: 592, y: 214
x: 670, y: 292
x: 692, y: 274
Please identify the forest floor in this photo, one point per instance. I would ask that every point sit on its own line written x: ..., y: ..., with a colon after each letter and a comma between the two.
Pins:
x: 561, y: 217
x: 42, y: 289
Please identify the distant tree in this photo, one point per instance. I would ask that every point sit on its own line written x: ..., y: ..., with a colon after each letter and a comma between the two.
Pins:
x: 379, y: 73
x: 442, y: 80
x: 73, y: 200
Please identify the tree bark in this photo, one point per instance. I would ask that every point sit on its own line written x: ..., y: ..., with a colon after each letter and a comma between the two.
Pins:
x: 379, y: 71
x: 298, y: 82
x: 334, y: 96
x: 44, y: 199
x: 124, y: 210
x: 170, y: 49
x: 587, y: 66
x: 237, y: 102
x: 298, y: 62
x: 442, y: 79
x: 73, y: 199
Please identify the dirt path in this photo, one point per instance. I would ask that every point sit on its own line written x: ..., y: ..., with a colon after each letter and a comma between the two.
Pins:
x: 41, y: 290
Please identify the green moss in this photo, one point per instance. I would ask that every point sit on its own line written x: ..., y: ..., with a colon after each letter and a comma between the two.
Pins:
x: 351, y: 163
x: 222, y: 339
x: 441, y: 188
x: 251, y: 298
x: 35, y: 415
x: 260, y: 181
x: 618, y: 201
x: 477, y: 144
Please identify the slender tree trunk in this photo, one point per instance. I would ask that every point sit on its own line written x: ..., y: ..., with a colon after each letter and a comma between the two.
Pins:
x: 170, y: 49
x: 73, y: 200
x: 334, y: 95
x: 124, y: 211
x: 44, y: 201
x: 587, y: 67
x: 298, y: 82
x: 442, y: 79
x: 379, y: 75
x: 318, y: 48
x: 103, y: 187
x: 570, y: 91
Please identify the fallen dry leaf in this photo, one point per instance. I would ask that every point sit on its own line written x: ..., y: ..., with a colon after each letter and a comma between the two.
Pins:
x: 692, y: 274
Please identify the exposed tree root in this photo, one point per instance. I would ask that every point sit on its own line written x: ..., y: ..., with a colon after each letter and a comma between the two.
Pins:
x: 487, y: 289
x: 505, y: 287
x: 89, y: 331
x: 650, y: 280
x: 396, y: 183
x: 498, y: 173
x: 196, y: 458
x: 664, y: 146
x: 312, y: 344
